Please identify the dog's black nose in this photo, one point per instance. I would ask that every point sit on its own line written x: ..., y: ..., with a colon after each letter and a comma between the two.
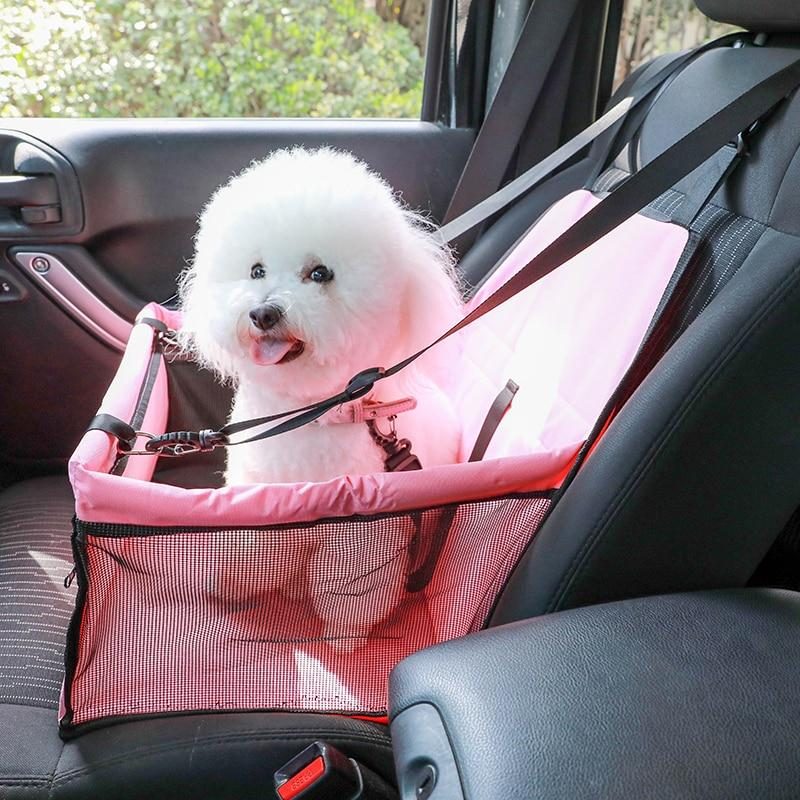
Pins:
x: 266, y: 316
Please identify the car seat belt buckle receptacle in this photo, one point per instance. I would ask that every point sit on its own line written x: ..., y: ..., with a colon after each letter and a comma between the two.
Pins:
x: 320, y: 772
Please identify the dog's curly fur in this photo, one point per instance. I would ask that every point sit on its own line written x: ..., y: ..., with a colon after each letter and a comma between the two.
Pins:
x: 392, y: 291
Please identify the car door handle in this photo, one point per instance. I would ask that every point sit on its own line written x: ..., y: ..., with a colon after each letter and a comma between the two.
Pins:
x: 28, y: 190
x: 39, y: 191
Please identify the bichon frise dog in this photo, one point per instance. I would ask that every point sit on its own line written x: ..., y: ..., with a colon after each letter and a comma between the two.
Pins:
x: 307, y: 271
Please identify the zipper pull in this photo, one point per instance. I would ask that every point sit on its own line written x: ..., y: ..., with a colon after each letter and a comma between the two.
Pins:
x: 70, y: 578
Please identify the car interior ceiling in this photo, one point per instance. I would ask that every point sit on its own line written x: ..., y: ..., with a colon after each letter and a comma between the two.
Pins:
x: 646, y: 642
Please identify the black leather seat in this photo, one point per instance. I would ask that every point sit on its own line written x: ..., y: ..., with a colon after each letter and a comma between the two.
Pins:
x: 688, y: 489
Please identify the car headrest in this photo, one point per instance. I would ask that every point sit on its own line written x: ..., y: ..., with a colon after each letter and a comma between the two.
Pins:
x: 761, y: 16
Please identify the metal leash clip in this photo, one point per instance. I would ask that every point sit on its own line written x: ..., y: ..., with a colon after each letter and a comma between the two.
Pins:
x: 181, y: 443
x: 399, y: 457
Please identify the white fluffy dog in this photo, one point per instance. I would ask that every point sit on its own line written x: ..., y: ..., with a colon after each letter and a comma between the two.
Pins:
x: 308, y: 270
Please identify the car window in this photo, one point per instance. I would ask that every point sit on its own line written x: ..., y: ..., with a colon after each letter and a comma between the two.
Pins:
x: 652, y: 27
x: 212, y: 58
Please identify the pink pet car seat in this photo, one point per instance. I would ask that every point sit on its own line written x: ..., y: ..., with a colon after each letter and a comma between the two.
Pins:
x: 155, y: 632
x: 217, y: 599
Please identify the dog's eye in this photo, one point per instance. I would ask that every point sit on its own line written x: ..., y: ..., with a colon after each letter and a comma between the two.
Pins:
x: 321, y: 274
x: 257, y: 272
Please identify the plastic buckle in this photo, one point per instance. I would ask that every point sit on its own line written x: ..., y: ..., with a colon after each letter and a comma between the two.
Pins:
x: 320, y: 772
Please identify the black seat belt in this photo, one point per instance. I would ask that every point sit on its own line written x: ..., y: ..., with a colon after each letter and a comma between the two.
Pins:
x: 641, y: 188
x: 485, y: 207
x: 543, y: 32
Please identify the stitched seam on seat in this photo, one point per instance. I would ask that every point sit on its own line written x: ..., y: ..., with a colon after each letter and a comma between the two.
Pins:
x: 719, y: 228
x: 249, y: 736
x: 581, y: 560
x: 721, y: 253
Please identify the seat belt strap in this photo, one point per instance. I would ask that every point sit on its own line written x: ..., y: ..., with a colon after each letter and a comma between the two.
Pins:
x: 540, y: 40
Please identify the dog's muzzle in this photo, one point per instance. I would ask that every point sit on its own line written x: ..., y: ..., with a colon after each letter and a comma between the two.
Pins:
x: 269, y: 343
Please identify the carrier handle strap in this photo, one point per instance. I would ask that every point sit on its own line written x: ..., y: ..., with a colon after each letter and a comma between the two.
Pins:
x: 615, y: 116
x: 676, y: 162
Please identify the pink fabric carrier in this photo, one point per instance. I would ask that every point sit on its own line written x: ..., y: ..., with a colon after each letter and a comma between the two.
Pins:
x: 217, y: 599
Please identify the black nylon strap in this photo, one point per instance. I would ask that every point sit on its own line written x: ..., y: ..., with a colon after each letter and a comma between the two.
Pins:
x: 633, y: 194
x: 711, y: 178
x: 612, y: 122
x: 123, y: 432
x: 634, y: 120
x: 539, y: 43
x: 359, y: 386
x: 493, y: 419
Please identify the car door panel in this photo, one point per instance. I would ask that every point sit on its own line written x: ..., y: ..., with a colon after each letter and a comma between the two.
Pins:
x: 129, y: 193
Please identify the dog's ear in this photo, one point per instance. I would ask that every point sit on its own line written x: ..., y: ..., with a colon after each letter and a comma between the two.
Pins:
x: 434, y: 295
x: 196, y: 336
x: 204, y: 320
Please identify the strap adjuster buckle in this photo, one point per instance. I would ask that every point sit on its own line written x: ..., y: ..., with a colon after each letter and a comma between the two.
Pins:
x: 362, y: 383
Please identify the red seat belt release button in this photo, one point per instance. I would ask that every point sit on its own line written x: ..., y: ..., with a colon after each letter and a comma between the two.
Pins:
x: 320, y: 772
x: 303, y: 780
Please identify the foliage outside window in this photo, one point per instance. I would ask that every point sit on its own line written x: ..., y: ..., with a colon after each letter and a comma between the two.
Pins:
x: 253, y: 58
x: 226, y: 58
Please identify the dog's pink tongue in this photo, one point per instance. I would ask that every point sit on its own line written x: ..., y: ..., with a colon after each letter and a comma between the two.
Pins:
x: 269, y: 351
